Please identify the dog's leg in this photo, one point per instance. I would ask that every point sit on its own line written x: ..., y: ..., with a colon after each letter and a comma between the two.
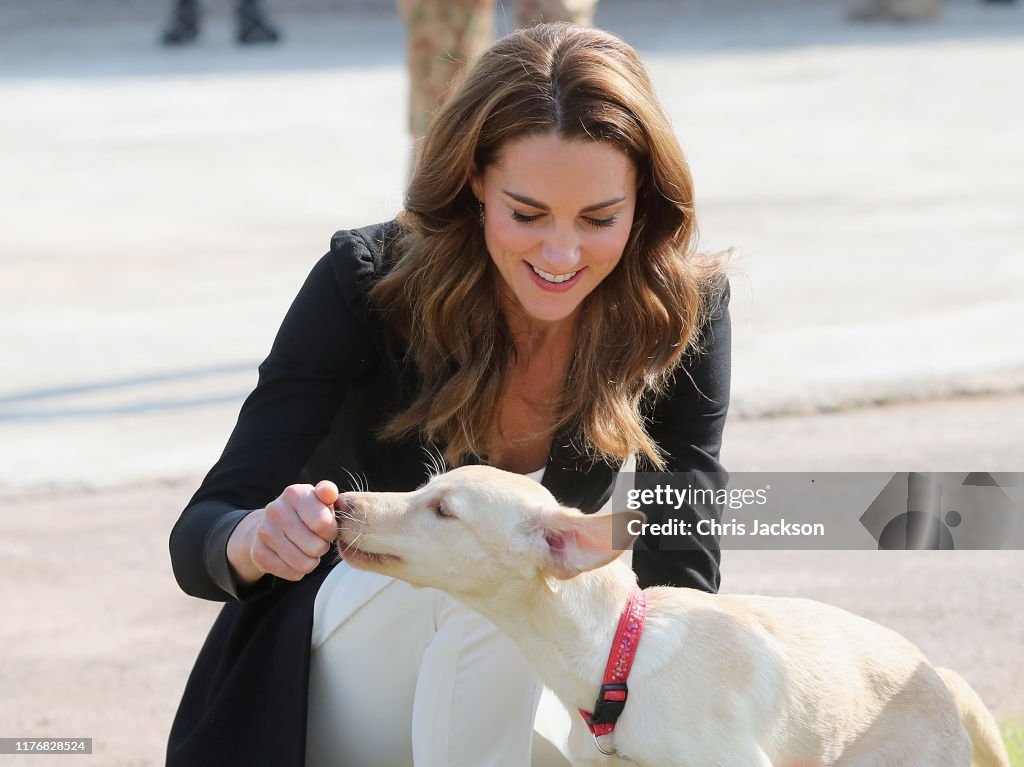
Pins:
x: 988, y: 747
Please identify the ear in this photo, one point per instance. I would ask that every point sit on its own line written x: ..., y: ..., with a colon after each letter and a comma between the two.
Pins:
x: 572, y: 543
x: 476, y: 183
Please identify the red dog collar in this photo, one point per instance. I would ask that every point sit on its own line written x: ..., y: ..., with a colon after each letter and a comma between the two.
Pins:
x: 612, y: 698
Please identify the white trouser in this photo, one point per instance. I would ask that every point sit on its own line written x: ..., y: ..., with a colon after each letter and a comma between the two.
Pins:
x: 402, y: 676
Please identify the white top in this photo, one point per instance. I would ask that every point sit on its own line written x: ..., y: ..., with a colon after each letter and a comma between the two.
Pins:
x: 536, y: 476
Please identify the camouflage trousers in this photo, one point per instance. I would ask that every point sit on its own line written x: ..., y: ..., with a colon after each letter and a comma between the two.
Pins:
x: 444, y: 35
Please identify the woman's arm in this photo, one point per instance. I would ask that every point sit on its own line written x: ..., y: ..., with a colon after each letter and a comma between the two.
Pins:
x: 687, y: 424
x: 320, y: 347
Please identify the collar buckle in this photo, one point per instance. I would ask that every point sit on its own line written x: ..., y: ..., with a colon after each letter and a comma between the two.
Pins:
x: 610, y: 703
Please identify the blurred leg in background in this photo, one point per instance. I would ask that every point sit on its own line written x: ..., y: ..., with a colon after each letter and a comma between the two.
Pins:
x: 445, y: 35
x: 442, y: 37
x: 537, y: 11
x: 253, y: 26
x: 252, y: 23
x: 901, y: 10
x: 184, y: 25
x: 896, y: 10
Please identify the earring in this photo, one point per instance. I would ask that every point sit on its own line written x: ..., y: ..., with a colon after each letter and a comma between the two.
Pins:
x: 482, y: 218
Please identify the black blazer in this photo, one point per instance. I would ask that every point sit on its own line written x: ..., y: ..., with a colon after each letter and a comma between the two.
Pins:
x: 331, y: 377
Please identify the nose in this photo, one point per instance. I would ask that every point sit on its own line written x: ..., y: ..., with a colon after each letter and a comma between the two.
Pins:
x: 349, y: 511
x: 561, y: 251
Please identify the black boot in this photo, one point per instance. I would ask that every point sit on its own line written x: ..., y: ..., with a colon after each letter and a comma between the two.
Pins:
x: 253, y: 26
x: 184, y: 26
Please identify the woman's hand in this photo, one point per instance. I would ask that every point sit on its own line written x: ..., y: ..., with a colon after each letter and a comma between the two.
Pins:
x: 288, y: 537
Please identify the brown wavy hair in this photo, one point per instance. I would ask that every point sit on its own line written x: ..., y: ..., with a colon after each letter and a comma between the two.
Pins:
x: 442, y: 295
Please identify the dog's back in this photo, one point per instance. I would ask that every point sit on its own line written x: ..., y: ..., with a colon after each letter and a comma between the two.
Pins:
x: 814, y: 682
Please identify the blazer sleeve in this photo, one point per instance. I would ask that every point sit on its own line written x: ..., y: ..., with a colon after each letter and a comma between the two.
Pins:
x: 687, y: 424
x: 322, y: 345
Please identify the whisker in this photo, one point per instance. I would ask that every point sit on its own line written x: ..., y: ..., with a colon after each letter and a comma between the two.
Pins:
x: 352, y: 542
x: 353, y: 479
x: 347, y: 516
x: 434, y: 463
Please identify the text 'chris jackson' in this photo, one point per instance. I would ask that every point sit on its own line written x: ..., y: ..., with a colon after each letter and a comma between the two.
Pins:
x: 735, y: 498
x: 714, y: 527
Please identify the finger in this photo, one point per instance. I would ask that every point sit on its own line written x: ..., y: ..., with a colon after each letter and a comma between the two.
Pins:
x: 269, y: 562
x: 295, y: 530
x: 313, y: 513
x: 306, y: 542
x: 317, y: 513
x: 327, y: 492
x: 278, y: 543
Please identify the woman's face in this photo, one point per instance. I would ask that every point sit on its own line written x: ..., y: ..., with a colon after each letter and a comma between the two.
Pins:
x: 557, y: 217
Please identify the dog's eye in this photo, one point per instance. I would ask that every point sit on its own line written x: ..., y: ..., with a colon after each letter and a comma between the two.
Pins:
x: 442, y: 511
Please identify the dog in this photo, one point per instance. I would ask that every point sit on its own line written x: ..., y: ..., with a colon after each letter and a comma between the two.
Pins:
x: 718, y: 680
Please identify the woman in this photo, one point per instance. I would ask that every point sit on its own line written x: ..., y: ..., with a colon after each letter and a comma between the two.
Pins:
x: 537, y: 306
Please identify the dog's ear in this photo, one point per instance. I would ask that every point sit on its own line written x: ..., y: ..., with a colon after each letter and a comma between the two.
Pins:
x: 572, y: 543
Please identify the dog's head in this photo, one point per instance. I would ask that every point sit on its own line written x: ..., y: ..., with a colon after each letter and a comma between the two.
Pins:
x: 474, y: 527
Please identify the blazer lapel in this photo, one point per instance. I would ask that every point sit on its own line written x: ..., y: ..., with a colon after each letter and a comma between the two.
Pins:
x: 576, y: 480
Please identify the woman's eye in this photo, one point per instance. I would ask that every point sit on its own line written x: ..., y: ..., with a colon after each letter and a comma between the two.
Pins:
x: 523, y: 218
x: 602, y: 223
x: 596, y: 223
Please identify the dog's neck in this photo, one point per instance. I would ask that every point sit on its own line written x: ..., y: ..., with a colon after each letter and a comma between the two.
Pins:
x: 565, y: 627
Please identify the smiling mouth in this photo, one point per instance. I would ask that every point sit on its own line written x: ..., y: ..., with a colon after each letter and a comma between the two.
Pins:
x: 554, y: 279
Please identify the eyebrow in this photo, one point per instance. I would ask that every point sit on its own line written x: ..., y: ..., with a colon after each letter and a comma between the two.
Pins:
x: 541, y: 206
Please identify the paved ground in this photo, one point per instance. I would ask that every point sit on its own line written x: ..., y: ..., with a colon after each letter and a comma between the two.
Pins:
x: 159, y: 210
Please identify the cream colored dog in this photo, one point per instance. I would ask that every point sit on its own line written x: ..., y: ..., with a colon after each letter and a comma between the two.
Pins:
x: 718, y: 681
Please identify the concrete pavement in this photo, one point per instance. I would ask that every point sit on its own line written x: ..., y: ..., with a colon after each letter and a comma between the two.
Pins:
x: 159, y: 209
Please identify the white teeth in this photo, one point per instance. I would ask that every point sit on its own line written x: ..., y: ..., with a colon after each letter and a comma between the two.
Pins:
x: 555, y: 278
